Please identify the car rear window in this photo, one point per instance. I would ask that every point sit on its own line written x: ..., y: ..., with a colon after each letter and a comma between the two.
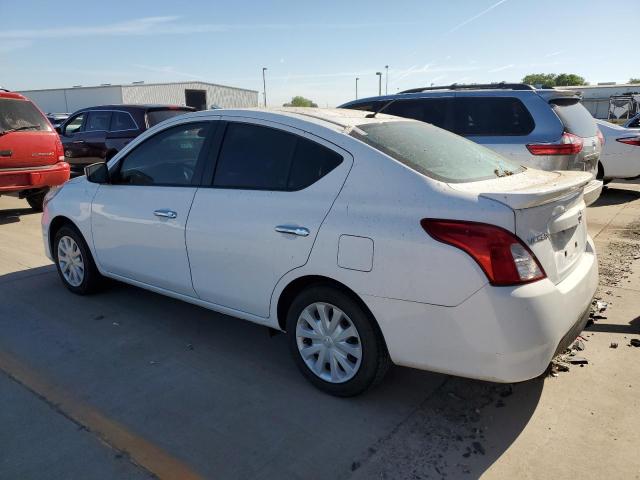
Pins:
x: 491, y: 116
x: 434, y: 152
x: 154, y: 117
x: 575, y: 117
x: 20, y: 114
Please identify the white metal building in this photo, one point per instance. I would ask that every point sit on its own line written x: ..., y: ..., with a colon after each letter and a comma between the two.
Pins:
x: 200, y: 95
x: 596, y: 98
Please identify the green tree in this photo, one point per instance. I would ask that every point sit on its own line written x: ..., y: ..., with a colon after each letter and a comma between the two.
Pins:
x: 554, y: 80
x: 299, y: 101
x: 542, y: 79
x: 634, y: 80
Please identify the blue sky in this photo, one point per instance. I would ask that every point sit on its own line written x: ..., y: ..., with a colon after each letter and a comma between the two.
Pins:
x: 314, y: 49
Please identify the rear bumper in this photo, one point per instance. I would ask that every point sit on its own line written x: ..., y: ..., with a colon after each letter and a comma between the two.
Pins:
x: 592, y: 191
x: 502, y: 334
x: 38, y: 177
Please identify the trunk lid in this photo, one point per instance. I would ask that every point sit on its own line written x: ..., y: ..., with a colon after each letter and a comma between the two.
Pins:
x: 549, y: 214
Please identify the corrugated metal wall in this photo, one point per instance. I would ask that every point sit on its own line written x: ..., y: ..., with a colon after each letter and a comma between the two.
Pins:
x: 174, y: 93
x: 68, y: 100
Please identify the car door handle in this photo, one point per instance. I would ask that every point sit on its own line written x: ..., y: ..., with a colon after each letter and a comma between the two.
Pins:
x: 293, y: 230
x: 79, y: 141
x: 166, y: 213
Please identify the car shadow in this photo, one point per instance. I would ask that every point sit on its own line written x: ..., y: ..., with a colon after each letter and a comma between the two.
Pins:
x: 225, y: 396
x: 632, y: 328
x: 13, y: 215
x: 615, y: 195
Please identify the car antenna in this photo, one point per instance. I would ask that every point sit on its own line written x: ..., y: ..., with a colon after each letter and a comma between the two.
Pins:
x: 373, y: 115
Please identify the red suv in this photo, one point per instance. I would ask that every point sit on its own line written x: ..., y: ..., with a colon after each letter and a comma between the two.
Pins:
x: 31, y: 153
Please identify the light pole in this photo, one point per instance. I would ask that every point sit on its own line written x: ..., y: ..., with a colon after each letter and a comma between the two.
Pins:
x: 357, y: 78
x: 386, y: 81
x: 379, y: 83
x: 264, y: 86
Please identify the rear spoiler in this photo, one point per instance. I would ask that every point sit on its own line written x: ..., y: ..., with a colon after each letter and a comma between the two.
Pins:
x: 552, y: 95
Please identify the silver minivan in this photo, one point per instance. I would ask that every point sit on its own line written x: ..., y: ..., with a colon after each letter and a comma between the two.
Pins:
x: 540, y: 128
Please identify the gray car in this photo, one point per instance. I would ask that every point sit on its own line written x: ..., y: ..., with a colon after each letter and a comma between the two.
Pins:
x: 539, y: 128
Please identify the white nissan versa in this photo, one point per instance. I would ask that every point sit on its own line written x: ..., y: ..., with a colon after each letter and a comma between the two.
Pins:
x: 368, y: 238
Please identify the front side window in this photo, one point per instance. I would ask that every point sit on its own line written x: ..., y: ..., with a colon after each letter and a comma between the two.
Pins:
x: 434, y: 152
x: 21, y: 114
x: 98, y: 121
x: 74, y: 125
x: 491, y: 116
x: 262, y: 158
x: 168, y: 158
x: 122, y: 121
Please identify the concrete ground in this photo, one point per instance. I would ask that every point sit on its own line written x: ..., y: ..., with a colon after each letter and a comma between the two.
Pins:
x: 130, y: 384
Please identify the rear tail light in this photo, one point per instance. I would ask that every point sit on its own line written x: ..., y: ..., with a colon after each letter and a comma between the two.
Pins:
x: 601, y: 137
x: 635, y: 141
x: 59, y: 149
x: 502, y: 256
x: 569, y: 144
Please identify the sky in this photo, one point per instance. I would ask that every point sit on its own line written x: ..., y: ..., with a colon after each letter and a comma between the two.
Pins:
x: 314, y: 49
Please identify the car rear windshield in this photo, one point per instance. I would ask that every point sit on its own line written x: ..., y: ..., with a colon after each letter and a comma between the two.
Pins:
x: 154, y: 117
x: 434, y: 152
x: 576, y: 118
x: 21, y: 114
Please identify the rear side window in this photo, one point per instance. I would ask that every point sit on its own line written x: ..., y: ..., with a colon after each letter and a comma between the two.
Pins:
x: 367, y: 107
x: 154, y: 117
x: 491, y: 116
x: 21, y: 114
x: 254, y: 157
x: 122, y: 121
x: 98, y: 121
x: 575, y: 117
x: 434, y: 152
x: 430, y: 110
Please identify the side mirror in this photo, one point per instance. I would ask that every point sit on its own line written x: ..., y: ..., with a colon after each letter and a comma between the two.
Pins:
x: 58, y: 129
x: 97, y: 172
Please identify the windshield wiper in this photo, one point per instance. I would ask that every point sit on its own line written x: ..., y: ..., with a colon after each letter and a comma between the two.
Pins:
x: 26, y: 127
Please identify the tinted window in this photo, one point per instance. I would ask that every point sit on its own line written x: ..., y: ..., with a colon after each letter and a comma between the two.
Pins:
x: 167, y: 158
x: 254, y: 157
x: 154, y: 117
x: 576, y: 118
x: 122, y: 121
x: 634, y: 123
x: 491, y: 116
x: 430, y: 110
x: 74, y: 125
x: 20, y: 114
x: 367, y: 107
x: 98, y: 121
x: 435, y: 152
x: 311, y: 162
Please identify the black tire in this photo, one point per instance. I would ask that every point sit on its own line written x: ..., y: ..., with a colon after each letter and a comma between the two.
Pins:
x: 375, y: 359
x: 35, y: 200
x: 92, y: 279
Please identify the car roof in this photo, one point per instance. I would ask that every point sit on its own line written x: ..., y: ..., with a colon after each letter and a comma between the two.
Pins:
x: 338, y: 119
x: 146, y: 106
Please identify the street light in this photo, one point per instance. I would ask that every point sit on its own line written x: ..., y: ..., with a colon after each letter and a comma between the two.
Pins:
x: 386, y: 82
x: 357, y: 78
x: 264, y: 86
x: 379, y: 83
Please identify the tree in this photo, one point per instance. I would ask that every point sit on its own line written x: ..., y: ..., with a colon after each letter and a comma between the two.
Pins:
x: 300, y: 101
x: 548, y: 80
x: 634, y: 80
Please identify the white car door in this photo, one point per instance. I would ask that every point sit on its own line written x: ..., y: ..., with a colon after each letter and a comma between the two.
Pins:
x: 138, y: 220
x: 272, y: 188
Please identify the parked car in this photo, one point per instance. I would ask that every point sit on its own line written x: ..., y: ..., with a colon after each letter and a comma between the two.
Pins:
x: 367, y: 240
x: 620, y: 156
x: 540, y: 128
x: 633, y: 122
x: 57, y: 119
x: 31, y: 156
x: 96, y: 134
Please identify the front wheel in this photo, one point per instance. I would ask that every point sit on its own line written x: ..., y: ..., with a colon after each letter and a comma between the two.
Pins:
x: 334, y: 342
x: 74, y: 262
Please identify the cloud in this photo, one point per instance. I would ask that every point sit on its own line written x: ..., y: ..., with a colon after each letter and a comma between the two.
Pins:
x: 165, y: 25
x: 554, y: 54
x: 500, y: 69
x: 475, y: 17
x: 11, y: 45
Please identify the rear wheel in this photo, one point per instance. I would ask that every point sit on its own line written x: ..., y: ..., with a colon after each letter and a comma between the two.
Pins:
x: 36, y: 199
x: 334, y: 342
x: 74, y: 262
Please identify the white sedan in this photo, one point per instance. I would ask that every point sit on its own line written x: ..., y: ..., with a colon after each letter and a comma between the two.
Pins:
x: 368, y: 239
x: 620, y: 157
